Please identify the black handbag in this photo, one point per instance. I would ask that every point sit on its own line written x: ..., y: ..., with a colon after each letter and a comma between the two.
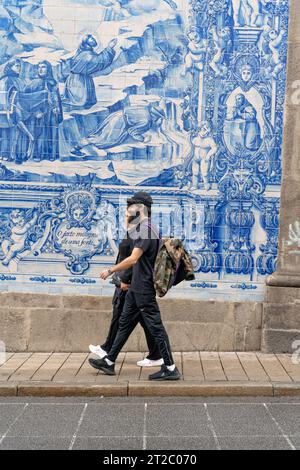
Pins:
x: 115, y: 280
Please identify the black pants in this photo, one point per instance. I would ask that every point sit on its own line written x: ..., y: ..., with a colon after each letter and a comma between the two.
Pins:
x: 118, y: 306
x: 145, y: 306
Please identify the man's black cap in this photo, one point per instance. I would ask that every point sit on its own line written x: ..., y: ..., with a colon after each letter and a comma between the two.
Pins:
x: 140, y: 198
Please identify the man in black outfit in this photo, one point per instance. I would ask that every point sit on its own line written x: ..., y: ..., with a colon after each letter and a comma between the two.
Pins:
x: 123, y: 281
x: 141, y: 297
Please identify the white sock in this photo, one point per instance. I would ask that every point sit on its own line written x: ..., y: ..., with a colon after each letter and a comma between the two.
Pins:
x: 108, y: 362
x: 171, y: 368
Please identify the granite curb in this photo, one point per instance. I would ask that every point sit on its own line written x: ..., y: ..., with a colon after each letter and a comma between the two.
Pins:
x: 146, y: 389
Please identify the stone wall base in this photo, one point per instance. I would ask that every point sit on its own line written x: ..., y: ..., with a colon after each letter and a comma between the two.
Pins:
x: 30, y: 322
x: 281, y: 320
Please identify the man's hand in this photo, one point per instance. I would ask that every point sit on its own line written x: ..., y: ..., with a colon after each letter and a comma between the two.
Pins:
x: 125, y: 264
x: 105, y: 275
x: 125, y: 287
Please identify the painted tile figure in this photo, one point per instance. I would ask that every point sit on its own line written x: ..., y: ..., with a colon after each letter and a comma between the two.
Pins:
x: 131, y: 122
x: 19, y: 227
x: 197, y: 49
x: 271, y: 44
x: 222, y: 43
x: 48, y: 114
x: 246, y: 12
x: 242, y: 125
x: 10, y: 82
x: 80, y: 92
x: 205, y: 148
x: 15, y: 137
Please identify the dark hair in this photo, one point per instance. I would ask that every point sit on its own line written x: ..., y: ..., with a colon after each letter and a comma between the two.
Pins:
x: 140, y: 197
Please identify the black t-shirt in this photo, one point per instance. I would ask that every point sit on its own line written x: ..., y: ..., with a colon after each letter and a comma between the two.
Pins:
x: 142, y: 277
x: 125, y: 250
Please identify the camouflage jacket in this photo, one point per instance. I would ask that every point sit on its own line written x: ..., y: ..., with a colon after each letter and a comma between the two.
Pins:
x: 173, y: 265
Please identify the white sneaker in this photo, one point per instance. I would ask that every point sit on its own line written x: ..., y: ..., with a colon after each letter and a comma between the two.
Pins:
x: 149, y: 363
x: 98, y: 351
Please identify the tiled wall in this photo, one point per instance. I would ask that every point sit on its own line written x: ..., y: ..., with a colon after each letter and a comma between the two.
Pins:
x: 101, y: 98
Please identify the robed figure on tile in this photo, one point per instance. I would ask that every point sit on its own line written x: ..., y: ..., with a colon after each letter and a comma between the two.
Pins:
x: 80, y: 91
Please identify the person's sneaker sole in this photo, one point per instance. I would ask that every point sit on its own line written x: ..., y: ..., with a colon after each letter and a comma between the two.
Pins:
x: 162, y: 379
x: 103, y: 369
x: 139, y: 364
x: 100, y: 355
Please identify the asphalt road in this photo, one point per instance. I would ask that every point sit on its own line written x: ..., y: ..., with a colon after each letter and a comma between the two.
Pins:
x: 150, y: 424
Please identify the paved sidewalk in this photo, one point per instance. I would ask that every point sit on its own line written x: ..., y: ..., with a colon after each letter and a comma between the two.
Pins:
x: 204, y: 374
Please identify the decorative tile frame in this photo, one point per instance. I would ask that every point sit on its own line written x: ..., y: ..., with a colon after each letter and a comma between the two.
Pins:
x: 188, y: 105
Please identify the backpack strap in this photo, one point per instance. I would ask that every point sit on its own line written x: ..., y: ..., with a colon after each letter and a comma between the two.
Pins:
x: 158, y: 238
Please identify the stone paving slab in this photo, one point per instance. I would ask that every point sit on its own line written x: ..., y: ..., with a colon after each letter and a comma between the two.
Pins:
x: 203, y: 374
x: 86, y: 373
x: 69, y: 368
x: 12, y: 365
x: 30, y: 367
x: 232, y: 367
x: 192, y: 367
x: 212, y: 367
x: 52, y: 367
x: 129, y: 370
x: 273, y: 368
x: 253, y: 367
x: 293, y: 370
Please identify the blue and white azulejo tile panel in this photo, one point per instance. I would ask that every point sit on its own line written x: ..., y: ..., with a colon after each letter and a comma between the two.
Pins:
x: 101, y: 98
